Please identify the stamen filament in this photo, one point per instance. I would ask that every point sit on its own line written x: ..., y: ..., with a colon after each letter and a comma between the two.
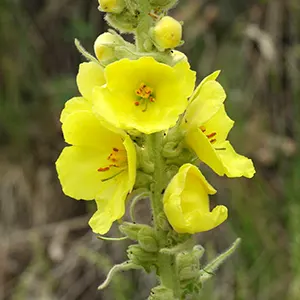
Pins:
x: 113, y: 176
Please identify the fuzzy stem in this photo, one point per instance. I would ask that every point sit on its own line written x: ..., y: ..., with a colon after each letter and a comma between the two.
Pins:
x: 144, y: 24
x: 166, y: 263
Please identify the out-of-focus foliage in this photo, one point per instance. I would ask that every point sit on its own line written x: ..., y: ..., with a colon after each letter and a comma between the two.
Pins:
x: 46, y: 248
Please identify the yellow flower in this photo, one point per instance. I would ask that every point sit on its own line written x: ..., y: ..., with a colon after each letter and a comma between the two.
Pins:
x: 167, y: 33
x: 144, y: 94
x: 207, y: 126
x: 186, y: 202
x: 100, y: 163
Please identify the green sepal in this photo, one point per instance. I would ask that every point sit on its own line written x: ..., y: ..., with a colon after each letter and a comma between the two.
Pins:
x: 147, y: 239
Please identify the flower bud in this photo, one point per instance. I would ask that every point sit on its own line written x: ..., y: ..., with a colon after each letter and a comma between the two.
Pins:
x: 147, y: 239
x: 131, y: 230
x: 142, y: 180
x: 140, y: 257
x: 111, y: 6
x: 104, y: 46
x: 188, y: 265
x: 125, y: 22
x: 161, y: 293
x: 167, y: 33
x: 178, y: 57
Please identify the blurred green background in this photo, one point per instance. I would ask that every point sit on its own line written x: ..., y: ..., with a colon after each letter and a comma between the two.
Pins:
x: 47, y: 251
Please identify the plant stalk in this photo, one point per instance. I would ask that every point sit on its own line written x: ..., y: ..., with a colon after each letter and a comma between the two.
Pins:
x: 166, y: 263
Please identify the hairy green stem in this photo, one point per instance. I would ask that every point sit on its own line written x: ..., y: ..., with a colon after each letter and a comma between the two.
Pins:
x: 144, y: 24
x: 166, y: 263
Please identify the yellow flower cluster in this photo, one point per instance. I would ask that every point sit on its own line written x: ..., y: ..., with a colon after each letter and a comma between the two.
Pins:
x: 145, y: 96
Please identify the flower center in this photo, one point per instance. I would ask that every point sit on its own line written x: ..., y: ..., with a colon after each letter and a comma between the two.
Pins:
x: 145, y: 96
x: 210, y: 136
x: 116, y: 159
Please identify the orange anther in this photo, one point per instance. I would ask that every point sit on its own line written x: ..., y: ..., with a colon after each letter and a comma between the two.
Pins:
x: 116, y: 149
x: 211, y: 135
x: 203, y: 129
x: 136, y: 103
x: 213, y: 141
x: 103, y: 169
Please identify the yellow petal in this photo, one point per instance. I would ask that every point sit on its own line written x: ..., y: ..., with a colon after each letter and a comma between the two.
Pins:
x: 205, y: 151
x: 220, y: 124
x: 90, y: 75
x: 123, y: 80
x: 131, y: 160
x: 111, y: 205
x: 211, y: 77
x: 73, y: 105
x: 188, y: 77
x: 77, y: 171
x: 83, y: 128
x: 209, y: 100
x: 186, y: 202
x: 200, y: 222
x: 235, y: 165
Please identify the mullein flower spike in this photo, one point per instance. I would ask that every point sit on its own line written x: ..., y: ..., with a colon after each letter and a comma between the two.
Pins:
x: 136, y: 132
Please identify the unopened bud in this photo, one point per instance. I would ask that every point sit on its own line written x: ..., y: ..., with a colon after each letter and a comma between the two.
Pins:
x: 131, y: 230
x: 142, y: 180
x: 140, y: 257
x: 111, y: 6
x: 147, y: 239
x: 188, y: 265
x: 178, y: 56
x: 104, y: 47
x: 167, y: 33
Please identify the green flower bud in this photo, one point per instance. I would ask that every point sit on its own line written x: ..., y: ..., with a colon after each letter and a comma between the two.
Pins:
x: 132, y: 230
x: 147, y: 239
x: 161, y: 293
x: 167, y: 33
x: 111, y: 6
x: 188, y: 265
x: 125, y: 22
x: 140, y: 257
x: 143, y: 180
